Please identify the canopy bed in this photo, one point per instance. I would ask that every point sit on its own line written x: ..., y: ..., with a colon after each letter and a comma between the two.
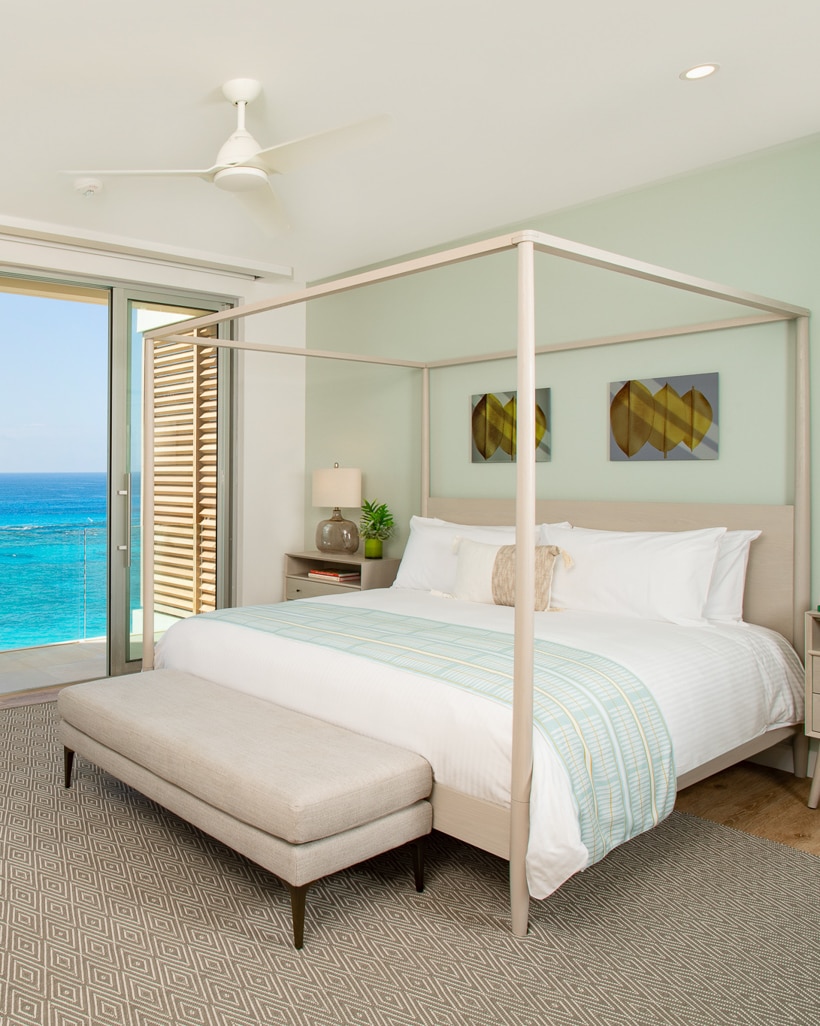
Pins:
x: 499, y: 818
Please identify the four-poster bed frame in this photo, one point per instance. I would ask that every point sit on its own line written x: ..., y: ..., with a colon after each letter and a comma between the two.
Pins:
x: 778, y: 590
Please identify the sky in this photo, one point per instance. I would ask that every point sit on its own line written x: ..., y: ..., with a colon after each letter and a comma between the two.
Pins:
x: 53, y: 385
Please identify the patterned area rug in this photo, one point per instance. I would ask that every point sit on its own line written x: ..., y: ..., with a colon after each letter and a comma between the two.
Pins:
x: 116, y: 913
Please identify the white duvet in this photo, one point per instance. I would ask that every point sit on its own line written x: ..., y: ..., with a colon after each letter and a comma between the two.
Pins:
x: 717, y: 687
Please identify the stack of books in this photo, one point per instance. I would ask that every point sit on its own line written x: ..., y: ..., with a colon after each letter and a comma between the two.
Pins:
x: 336, y: 576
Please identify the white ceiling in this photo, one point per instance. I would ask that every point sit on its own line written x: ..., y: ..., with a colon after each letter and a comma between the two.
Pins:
x: 499, y: 111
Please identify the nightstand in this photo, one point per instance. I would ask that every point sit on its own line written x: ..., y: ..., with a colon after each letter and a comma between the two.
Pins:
x: 374, y: 573
x: 813, y: 695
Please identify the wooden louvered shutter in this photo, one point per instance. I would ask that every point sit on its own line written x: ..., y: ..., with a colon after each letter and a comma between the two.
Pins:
x: 185, y: 455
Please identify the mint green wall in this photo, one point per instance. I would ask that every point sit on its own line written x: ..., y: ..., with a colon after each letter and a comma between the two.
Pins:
x: 753, y: 224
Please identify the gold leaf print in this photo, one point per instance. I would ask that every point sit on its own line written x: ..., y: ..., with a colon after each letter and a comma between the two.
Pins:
x: 631, y: 416
x: 494, y: 425
x: 699, y: 417
x: 488, y: 424
x: 670, y: 422
x: 508, y: 437
x: 540, y: 425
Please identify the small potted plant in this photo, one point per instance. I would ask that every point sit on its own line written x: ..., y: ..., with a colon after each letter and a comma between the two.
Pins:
x: 376, y: 526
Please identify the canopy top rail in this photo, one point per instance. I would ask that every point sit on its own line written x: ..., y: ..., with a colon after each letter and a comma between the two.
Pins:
x: 677, y: 331
x: 550, y: 244
x: 264, y: 347
x: 650, y: 272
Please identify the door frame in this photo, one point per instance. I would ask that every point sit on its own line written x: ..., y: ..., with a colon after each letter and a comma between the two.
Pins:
x: 119, y: 434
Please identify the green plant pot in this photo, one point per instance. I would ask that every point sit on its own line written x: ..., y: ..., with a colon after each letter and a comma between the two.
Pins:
x: 373, y: 548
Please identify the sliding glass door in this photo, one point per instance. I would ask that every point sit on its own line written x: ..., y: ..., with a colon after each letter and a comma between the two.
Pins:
x: 71, y: 408
x: 54, y: 342
x: 191, y: 412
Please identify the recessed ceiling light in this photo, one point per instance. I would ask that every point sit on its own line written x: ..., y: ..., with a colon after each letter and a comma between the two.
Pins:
x: 699, y: 71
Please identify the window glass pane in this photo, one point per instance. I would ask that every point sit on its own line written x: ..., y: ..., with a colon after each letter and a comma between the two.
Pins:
x: 53, y: 460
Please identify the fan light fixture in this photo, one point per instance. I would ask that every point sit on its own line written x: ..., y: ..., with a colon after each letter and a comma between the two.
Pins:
x: 244, y: 167
x: 240, y: 179
x: 698, y: 72
x: 337, y: 487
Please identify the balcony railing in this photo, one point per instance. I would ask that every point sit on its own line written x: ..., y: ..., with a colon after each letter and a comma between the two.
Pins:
x: 53, y: 584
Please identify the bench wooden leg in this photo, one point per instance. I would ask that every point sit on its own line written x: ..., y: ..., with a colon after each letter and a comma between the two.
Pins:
x: 419, y: 847
x: 68, y: 765
x: 297, y: 906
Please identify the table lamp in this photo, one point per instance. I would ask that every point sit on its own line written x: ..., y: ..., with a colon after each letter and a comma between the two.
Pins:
x: 337, y: 487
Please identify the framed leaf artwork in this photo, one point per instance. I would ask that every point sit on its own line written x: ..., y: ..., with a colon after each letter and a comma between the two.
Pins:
x: 493, y: 427
x: 664, y: 418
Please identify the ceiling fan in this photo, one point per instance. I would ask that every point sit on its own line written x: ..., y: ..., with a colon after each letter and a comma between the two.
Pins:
x: 245, y: 168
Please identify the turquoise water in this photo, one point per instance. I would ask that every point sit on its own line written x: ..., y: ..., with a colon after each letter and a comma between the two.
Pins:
x: 52, y: 558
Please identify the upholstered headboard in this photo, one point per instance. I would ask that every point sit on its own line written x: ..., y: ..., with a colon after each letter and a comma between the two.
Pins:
x: 769, y: 598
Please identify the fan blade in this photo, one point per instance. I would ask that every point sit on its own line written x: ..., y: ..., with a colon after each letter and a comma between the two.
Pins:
x: 289, y: 156
x: 206, y: 173
x: 266, y: 208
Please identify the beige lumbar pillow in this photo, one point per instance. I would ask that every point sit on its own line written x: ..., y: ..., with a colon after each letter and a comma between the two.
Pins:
x: 486, y: 573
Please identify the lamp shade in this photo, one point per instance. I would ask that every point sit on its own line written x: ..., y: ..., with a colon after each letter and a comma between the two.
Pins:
x: 337, y: 487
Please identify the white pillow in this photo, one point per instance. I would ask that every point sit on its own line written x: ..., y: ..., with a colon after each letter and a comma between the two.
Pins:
x: 486, y: 573
x: 724, y: 604
x: 429, y: 561
x: 474, y: 570
x: 648, y: 574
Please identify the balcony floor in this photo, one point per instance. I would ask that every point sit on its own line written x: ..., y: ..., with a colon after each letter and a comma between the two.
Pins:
x: 50, y: 666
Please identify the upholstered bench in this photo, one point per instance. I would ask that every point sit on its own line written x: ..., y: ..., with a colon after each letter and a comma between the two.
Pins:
x: 300, y: 797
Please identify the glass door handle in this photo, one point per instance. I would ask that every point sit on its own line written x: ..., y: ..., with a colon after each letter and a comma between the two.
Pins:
x: 126, y: 494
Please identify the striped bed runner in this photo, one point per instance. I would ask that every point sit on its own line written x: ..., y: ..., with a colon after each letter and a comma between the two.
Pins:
x: 601, y: 721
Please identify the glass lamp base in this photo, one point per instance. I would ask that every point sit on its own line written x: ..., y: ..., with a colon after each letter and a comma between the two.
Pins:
x: 337, y: 535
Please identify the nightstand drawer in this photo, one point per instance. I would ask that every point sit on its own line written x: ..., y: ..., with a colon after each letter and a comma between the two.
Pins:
x: 814, y: 727
x: 301, y: 587
x: 815, y: 674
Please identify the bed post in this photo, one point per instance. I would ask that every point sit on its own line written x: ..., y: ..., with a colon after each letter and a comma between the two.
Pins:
x: 147, y: 506
x: 426, y: 483
x: 802, y: 484
x: 524, y: 593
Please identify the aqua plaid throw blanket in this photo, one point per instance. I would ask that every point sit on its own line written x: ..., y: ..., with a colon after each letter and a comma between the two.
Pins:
x: 601, y: 721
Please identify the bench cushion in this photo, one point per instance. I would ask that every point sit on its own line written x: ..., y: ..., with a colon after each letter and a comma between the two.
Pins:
x: 285, y: 773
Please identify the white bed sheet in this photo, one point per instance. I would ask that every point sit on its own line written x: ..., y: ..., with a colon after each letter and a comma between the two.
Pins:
x: 717, y: 687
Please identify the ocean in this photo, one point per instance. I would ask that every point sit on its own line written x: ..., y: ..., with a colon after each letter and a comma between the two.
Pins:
x: 53, y: 544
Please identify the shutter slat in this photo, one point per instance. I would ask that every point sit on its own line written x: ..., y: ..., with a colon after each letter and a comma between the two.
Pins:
x: 186, y: 446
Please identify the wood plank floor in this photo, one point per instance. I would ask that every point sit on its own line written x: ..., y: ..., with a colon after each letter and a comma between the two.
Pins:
x: 756, y: 799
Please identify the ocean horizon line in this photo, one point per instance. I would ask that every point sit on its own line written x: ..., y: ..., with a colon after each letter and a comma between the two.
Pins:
x: 47, y: 473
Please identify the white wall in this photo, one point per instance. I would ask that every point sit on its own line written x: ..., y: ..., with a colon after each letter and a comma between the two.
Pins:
x: 269, y: 464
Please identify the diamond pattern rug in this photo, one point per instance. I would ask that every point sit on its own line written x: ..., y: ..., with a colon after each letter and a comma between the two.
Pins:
x: 114, y: 912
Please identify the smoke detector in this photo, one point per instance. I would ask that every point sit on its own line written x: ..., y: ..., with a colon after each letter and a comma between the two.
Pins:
x: 88, y: 187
